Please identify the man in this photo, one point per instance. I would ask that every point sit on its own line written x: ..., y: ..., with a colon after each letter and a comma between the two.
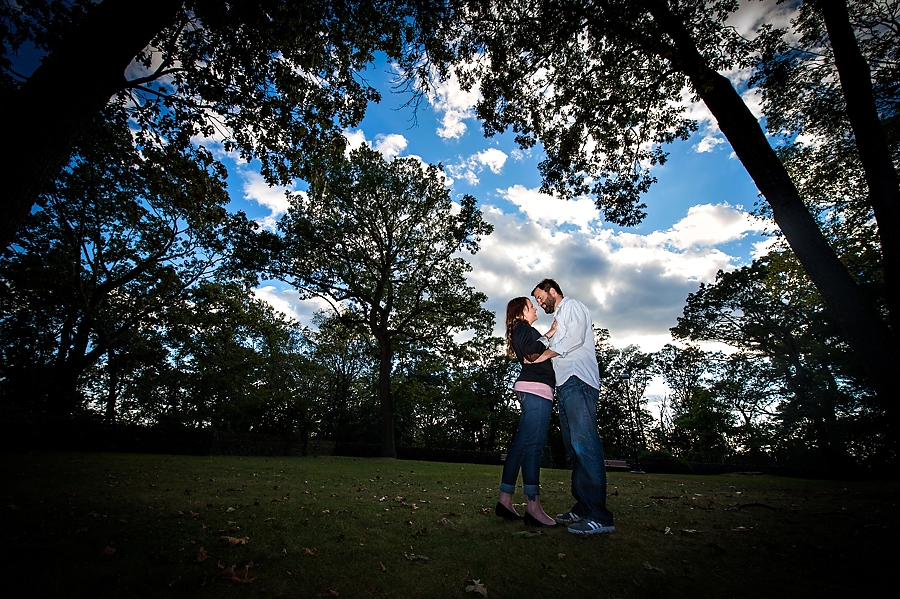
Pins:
x: 578, y: 389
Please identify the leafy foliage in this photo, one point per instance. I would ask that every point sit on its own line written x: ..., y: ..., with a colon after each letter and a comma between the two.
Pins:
x: 121, y: 237
x: 391, y: 267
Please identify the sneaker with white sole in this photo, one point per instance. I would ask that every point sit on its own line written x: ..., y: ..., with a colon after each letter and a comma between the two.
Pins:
x: 586, y: 526
x: 567, y: 518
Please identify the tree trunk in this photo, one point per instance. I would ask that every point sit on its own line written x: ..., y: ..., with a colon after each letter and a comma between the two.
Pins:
x: 112, y: 391
x: 60, y: 99
x: 874, y: 153
x: 388, y: 448
x: 862, y: 326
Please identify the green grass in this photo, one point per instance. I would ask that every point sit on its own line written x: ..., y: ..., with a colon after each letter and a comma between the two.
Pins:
x: 364, y: 528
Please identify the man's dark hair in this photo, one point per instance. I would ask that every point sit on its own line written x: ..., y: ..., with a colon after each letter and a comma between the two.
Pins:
x: 546, y: 285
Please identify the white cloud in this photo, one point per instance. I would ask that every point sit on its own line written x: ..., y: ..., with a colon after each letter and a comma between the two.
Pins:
x: 286, y: 301
x: 708, y: 225
x: 274, y: 198
x: 469, y: 168
x: 492, y: 158
x: 751, y: 15
x: 634, y: 284
x: 708, y: 143
x: 354, y: 139
x: 550, y: 210
x: 456, y: 104
x: 390, y: 145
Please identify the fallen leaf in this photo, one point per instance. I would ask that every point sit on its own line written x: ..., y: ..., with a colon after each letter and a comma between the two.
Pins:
x: 232, y: 541
x: 560, y: 555
x: 202, y: 555
x: 527, y: 534
x: 331, y: 593
x: 108, y: 550
x: 81, y: 531
x: 229, y: 510
x: 241, y: 576
x: 415, y: 558
x: 475, y: 586
x: 689, y: 531
x: 668, y: 530
x: 381, y: 566
x: 308, y: 551
x: 653, y: 568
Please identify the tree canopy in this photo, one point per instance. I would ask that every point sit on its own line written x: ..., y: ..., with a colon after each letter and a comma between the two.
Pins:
x: 392, y: 262
x: 601, y: 85
x: 276, y: 80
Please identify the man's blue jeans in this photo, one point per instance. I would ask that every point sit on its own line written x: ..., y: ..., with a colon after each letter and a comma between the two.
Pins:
x: 527, y: 446
x: 578, y: 421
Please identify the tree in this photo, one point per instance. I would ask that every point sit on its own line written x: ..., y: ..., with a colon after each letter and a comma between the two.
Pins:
x: 481, y: 395
x: 599, y: 84
x: 121, y: 236
x: 277, y: 80
x: 759, y: 310
x: 390, y: 263
x: 749, y: 388
x: 239, y: 366
x: 621, y: 417
x: 343, y: 358
x: 701, y: 428
x: 682, y: 369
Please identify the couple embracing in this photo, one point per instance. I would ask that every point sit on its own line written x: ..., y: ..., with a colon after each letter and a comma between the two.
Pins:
x: 563, y: 358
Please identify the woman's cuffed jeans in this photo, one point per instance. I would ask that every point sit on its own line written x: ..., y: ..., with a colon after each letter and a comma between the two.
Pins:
x: 527, y: 446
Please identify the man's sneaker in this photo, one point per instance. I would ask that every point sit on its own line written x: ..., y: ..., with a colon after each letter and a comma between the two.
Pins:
x: 567, y: 518
x: 586, y: 526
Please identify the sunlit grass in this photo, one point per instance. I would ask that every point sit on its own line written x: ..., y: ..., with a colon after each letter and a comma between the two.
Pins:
x: 113, y: 525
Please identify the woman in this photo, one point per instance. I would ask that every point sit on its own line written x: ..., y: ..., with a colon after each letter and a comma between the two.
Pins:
x: 534, y: 388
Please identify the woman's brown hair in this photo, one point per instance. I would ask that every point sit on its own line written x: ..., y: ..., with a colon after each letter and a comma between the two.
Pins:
x: 515, y: 312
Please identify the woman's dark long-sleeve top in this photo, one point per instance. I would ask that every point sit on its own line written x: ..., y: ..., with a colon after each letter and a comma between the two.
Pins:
x: 524, y: 342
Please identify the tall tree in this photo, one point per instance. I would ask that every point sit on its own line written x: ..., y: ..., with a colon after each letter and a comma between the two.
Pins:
x: 759, y: 310
x: 277, y: 80
x: 682, y: 369
x: 621, y: 416
x: 600, y: 85
x: 240, y: 366
x: 382, y: 242
x: 121, y: 235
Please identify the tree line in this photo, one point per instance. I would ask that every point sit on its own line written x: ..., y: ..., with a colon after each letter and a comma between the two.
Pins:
x: 126, y: 283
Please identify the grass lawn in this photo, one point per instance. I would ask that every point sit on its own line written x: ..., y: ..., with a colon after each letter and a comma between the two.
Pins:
x: 116, y: 525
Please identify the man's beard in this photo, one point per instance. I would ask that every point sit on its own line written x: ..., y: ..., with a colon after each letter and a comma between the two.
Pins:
x: 549, y: 304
